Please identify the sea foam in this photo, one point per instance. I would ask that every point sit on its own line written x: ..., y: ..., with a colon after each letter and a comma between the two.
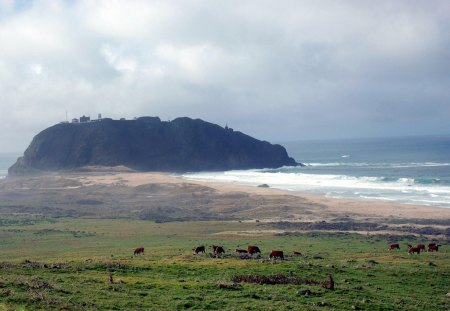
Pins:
x: 404, y: 190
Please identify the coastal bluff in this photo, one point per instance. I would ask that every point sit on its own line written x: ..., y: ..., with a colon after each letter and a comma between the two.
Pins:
x: 147, y: 144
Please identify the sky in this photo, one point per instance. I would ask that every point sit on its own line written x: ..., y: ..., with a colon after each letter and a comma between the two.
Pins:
x: 276, y: 70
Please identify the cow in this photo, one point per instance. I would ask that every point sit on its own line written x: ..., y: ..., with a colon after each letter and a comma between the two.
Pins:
x: 218, y: 250
x: 394, y: 246
x: 276, y: 254
x: 253, y: 249
x: 138, y: 251
x: 433, y: 244
x: 413, y: 250
x: 241, y: 251
x: 199, y: 249
x: 421, y: 247
x: 294, y: 253
x: 433, y: 247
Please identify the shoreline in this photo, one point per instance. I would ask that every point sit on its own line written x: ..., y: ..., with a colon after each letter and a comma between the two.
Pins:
x: 121, y: 193
x: 369, y: 208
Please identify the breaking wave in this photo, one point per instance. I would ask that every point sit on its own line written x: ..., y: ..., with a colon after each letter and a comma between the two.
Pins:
x: 379, y: 165
x: 426, y: 191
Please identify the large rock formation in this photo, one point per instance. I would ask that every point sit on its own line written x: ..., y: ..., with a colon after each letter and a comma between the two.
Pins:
x: 148, y: 144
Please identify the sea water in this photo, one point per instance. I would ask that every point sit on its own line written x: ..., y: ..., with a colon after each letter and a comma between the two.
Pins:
x: 413, y: 170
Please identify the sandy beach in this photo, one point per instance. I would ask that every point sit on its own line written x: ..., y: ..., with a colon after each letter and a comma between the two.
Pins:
x: 326, y: 207
x: 162, y: 197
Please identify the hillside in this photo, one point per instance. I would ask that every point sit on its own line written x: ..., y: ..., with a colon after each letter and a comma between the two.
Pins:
x: 148, y: 144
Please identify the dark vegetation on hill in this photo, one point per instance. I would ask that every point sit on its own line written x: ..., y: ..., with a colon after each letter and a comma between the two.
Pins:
x: 148, y: 144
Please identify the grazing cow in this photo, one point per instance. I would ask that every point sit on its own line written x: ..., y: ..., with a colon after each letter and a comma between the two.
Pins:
x: 413, y: 250
x: 294, y: 253
x: 394, y: 246
x: 241, y: 251
x: 434, y: 247
x: 199, y: 249
x: 218, y: 250
x: 252, y: 249
x: 421, y: 247
x: 276, y: 254
x: 138, y: 251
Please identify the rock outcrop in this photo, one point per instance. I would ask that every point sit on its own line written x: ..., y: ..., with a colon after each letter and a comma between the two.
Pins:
x: 147, y: 144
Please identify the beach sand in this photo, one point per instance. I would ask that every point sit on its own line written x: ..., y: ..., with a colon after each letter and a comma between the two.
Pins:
x: 161, y: 197
x: 322, y: 204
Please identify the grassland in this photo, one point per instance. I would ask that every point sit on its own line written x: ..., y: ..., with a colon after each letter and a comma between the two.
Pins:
x: 87, y: 264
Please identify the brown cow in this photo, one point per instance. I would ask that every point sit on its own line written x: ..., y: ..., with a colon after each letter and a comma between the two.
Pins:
x: 199, y: 249
x: 241, y: 251
x: 138, y: 251
x: 218, y: 250
x: 253, y: 249
x: 434, y: 247
x: 413, y: 250
x: 394, y: 246
x: 421, y: 247
x: 276, y: 254
x: 294, y: 253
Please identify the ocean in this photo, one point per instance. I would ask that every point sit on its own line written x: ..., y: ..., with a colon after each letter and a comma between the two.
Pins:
x: 411, y: 170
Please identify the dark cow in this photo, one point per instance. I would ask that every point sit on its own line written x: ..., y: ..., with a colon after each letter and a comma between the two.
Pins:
x: 394, y: 246
x: 433, y: 244
x: 241, y: 251
x: 138, y: 251
x: 218, y: 250
x: 294, y: 253
x: 199, y: 249
x: 421, y: 247
x: 433, y: 247
x: 253, y: 249
x: 276, y: 254
x: 413, y: 250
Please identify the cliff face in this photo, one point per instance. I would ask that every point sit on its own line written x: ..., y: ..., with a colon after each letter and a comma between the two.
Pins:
x: 148, y: 144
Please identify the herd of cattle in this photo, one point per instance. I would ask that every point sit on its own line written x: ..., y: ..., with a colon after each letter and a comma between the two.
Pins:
x: 251, y: 250
x: 432, y: 247
x: 218, y: 251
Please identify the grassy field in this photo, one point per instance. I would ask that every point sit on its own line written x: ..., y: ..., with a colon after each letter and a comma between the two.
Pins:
x: 82, y: 264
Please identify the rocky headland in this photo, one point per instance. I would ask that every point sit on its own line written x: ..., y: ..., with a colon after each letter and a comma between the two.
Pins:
x: 147, y: 144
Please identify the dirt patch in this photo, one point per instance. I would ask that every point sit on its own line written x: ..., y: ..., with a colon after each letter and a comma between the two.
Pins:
x: 282, y: 279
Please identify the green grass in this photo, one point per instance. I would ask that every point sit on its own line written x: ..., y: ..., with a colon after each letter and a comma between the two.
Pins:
x: 67, y: 263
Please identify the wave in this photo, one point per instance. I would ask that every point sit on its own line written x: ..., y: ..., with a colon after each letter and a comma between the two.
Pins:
x: 378, y: 165
x: 408, y: 190
x: 292, y: 178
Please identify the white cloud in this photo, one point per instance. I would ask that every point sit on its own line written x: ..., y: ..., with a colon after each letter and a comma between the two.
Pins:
x: 294, y: 69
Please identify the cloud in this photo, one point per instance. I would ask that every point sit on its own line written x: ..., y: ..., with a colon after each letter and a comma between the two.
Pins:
x: 278, y: 71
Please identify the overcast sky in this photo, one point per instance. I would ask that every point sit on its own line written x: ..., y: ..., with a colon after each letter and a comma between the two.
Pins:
x: 277, y: 70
